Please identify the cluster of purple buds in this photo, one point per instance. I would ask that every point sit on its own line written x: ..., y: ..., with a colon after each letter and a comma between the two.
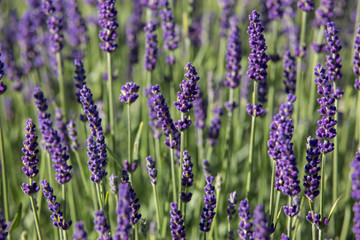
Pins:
x: 356, y: 220
x: 101, y: 225
x: 231, y: 210
x: 275, y: 8
x: 61, y: 127
x: 133, y: 27
x: 177, y: 225
x: 326, y: 130
x: 289, y: 73
x: 3, y: 87
x: 55, y: 25
x: 215, y: 125
x: 30, y: 159
x: 306, y: 5
x: 129, y: 93
x: 200, y: 111
x: 228, y: 7
x: 208, y: 212
x: 187, y: 177
x: 261, y: 228
x: 355, y: 177
x: 206, y: 167
x: 312, y: 169
x: 130, y: 168
x: 71, y: 132
x: 54, y: 207
x: 96, y: 146
x: 233, y: 55
x: 154, y: 4
x: 153, y: 120
x: 245, y: 224
x: 356, y: 61
x: 324, y: 13
x: 292, y: 210
x: 107, y: 20
x: 3, y: 227
x: 123, y: 211
x: 151, y: 167
x: 151, y: 50
x: 79, y: 77
x: 114, y: 184
x: 80, y: 233
x: 170, y: 35
x: 316, y: 219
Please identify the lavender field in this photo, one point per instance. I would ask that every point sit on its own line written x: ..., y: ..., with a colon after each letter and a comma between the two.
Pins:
x: 179, y: 119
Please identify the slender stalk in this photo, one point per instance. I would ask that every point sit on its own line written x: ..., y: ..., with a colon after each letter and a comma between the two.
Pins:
x: 129, y: 138
x: 322, y: 183
x: 182, y: 146
x: 228, y: 145
x: 65, y: 235
x: 313, y: 228
x: 335, y: 164
x: 64, y: 199
x: 289, y: 227
x: 276, y: 208
x: 157, y: 209
x: 157, y: 152
x: 3, y: 175
x: 252, y: 141
x: 173, y: 171
x: 222, y: 50
x: 99, y: 196
x: 204, y: 235
x: 272, y: 190
x: 136, y: 232
x: 36, y: 219
x: 111, y: 105
x: 82, y: 173
x: 61, y: 84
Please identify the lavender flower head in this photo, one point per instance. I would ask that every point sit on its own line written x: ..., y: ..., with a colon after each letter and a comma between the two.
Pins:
x: 3, y: 87
x: 228, y: 7
x: 133, y: 199
x: 114, y: 184
x: 129, y: 93
x: 289, y: 73
x: 170, y: 35
x: 245, y: 224
x: 306, y: 5
x: 80, y: 233
x: 356, y: 61
x: 312, y: 168
x: 316, y: 219
x: 54, y: 207
x: 208, y: 212
x: 151, y: 50
x: 355, y: 178
x: 231, y: 209
x: 3, y: 227
x: 177, y: 225
x: 79, y: 77
x: 356, y: 220
x: 275, y: 8
x: 30, y: 159
x: 214, y: 129
x: 123, y: 229
x: 102, y: 226
x: 61, y: 127
x: 187, y: 177
x: 153, y: 120
x: 107, y: 20
x: 324, y: 13
x: 55, y: 25
x: 200, y: 111
x: 261, y: 229
x: 333, y: 63
x: 71, y: 132
x: 151, y: 167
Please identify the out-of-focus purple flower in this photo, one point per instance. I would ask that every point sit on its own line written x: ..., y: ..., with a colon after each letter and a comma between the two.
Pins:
x: 326, y: 125
x: 208, y: 212
x: 79, y: 77
x: 206, y: 167
x: 289, y: 73
x: 228, y: 7
x: 306, y: 5
x: 123, y: 229
x: 284, y: 237
x: 96, y: 146
x: 261, y: 229
x: 187, y: 177
x: 151, y: 49
x: 61, y: 127
x: 177, y: 225
x: 356, y: 61
x: 80, y: 233
x: 151, y: 167
x: 129, y: 93
x: 153, y: 120
x: 30, y: 159
x: 71, y: 132
x: 54, y: 207
x: 355, y: 178
x: 356, y: 220
x: 13, y: 72
x: 312, y: 168
x: 133, y: 27
x: 102, y: 226
x: 275, y: 8
x: 318, y: 48
x: 324, y: 13
x: 144, y: 229
x: 215, y: 125
x: 316, y: 219
x: 114, y: 184
x: 171, y: 38
x: 333, y: 59
x: 200, y: 111
x: 55, y: 25
x: 3, y: 87
x: 107, y: 20
x: 231, y: 210
x: 245, y: 232
x: 3, y: 227
x: 76, y: 29
x: 292, y: 210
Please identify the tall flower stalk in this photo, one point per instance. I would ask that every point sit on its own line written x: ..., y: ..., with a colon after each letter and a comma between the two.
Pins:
x: 208, y: 212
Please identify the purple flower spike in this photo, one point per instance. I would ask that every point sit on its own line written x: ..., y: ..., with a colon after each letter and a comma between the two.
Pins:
x: 61, y: 127
x: 3, y: 87
x: 333, y: 59
x: 71, y: 131
x: 129, y: 93
x: 208, y: 212
x: 356, y: 61
x: 324, y: 13
x: 79, y: 77
x: 275, y: 8
x: 133, y: 27
x: 151, y: 167
x: 355, y: 178
x: 170, y: 36
x: 261, y: 229
x: 123, y: 229
x: 102, y: 226
x: 231, y: 210
x: 214, y: 129
x: 312, y: 168
x: 187, y: 177
x: 96, y: 146
x: 54, y: 207
x: 55, y: 25
x: 80, y: 233
x: 30, y: 159
x: 356, y: 220
x: 245, y: 224
x: 3, y: 227
x: 153, y: 122
x: 200, y: 111
x: 306, y: 5
x: 177, y: 225
x: 292, y: 210
x: 289, y: 73
x: 151, y: 50
x: 228, y: 7
x: 114, y: 184
x: 107, y: 20
x: 316, y: 219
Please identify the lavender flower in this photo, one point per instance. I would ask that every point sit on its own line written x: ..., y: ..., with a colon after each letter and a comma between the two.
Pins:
x: 306, y: 5
x: 55, y: 25
x: 71, y: 132
x: 30, y: 158
x: 123, y: 229
x: 151, y: 167
x: 333, y: 63
x: 312, y: 168
x: 200, y: 111
x: 316, y: 219
x: 206, y: 167
x: 151, y: 50
x: 356, y: 220
x: 79, y: 78
x: 153, y: 121
x: 96, y: 146
x: 3, y: 227
x: 275, y: 8
x: 144, y: 227
x: 107, y: 20
x: 102, y: 226
x: 133, y: 27
x: 61, y: 127
x: 292, y: 210
x: 80, y: 233
x: 187, y: 177
x: 231, y: 210
x: 114, y: 184
x: 326, y: 130
x: 215, y: 126
x: 355, y: 177
x: 54, y: 207
x: 245, y: 224
x: 177, y: 225
x: 289, y: 73
x: 261, y: 229
x: 169, y: 33
x: 128, y: 93
x: 324, y: 13
x: 284, y: 237
x: 208, y: 212
x: 3, y: 87
x: 356, y: 61
x: 228, y: 7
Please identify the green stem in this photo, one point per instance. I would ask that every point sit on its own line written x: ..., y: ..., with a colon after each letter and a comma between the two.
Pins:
x: 129, y: 139
x: 335, y: 164
x: 157, y: 209
x: 61, y: 84
x: 277, y: 203
x: 82, y: 172
x: 99, y: 196
x: 313, y: 227
x: 136, y: 232
x: 36, y: 219
x: 3, y: 175
x: 204, y: 235
x: 111, y: 105
x: 182, y: 146
x: 272, y: 190
x: 228, y: 145
x: 252, y: 141
x: 65, y: 235
x: 173, y: 171
x: 322, y: 183
x: 221, y: 58
x: 289, y: 227
x: 157, y: 152
x: 64, y: 199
